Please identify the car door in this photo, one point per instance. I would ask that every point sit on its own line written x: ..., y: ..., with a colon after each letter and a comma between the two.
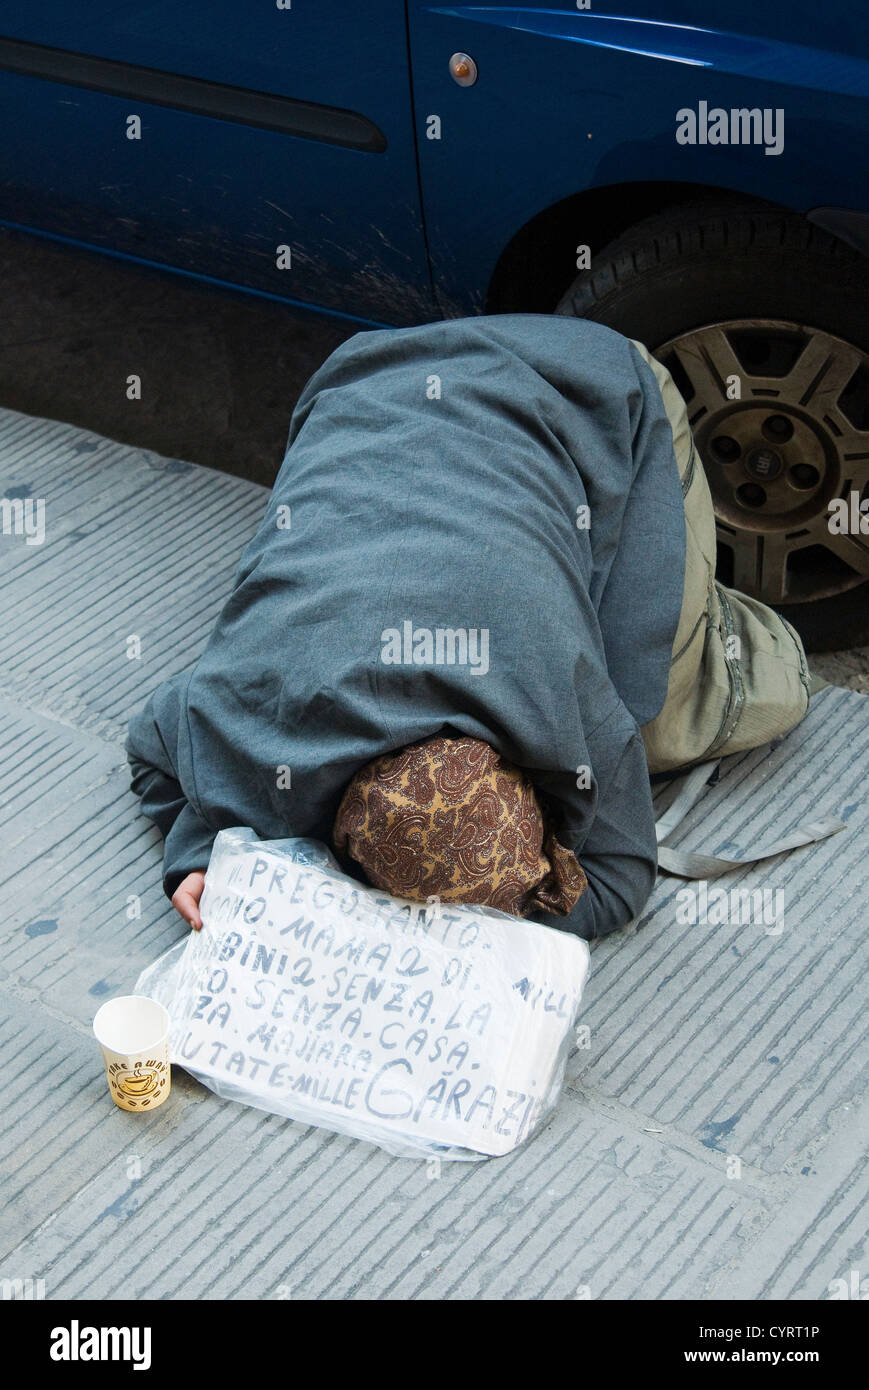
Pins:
x: 562, y: 99
x: 267, y: 146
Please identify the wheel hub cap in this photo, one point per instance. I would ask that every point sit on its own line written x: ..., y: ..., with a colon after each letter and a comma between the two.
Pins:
x: 780, y: 417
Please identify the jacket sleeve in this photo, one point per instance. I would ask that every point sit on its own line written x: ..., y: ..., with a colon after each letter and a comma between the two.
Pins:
x: 187, y: 838
x: 640, y: 606
x: 619, y: 854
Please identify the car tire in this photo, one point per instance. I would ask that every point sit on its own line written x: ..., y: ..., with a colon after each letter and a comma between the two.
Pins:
x: 746, y: 275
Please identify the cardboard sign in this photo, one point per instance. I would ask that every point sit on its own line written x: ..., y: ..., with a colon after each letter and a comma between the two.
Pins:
x: 417, y: 1026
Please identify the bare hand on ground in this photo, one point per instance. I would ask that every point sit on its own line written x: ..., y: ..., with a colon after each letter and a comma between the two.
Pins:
x: 186, y: 897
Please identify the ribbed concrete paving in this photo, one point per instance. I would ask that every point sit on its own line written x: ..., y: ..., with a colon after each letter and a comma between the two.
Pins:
x: 708, y: 1043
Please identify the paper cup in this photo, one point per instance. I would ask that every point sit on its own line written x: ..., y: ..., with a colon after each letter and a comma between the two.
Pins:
x: 133, y: 1032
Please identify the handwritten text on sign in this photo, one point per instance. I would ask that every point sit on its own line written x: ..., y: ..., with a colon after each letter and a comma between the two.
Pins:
x: 307, y: 989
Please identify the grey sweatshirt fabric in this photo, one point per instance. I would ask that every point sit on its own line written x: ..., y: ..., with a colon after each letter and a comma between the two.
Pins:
x: 501, y: 491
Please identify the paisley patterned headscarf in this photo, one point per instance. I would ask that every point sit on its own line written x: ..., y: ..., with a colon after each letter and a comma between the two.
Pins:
x: 450, y: 816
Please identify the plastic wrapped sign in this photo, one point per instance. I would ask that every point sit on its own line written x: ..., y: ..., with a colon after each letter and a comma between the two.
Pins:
x: 424, y: 1028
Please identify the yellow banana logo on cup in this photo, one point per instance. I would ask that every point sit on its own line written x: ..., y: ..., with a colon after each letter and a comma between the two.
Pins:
x: 142, y: 1086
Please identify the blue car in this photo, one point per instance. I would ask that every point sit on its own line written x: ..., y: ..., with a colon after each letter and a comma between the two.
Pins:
x: 690, y: 174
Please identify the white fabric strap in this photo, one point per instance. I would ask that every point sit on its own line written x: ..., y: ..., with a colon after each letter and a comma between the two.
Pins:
x: 687, y: 864
x: 691, y: 791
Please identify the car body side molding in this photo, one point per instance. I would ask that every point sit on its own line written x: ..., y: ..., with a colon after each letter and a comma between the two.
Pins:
x: 306, y: 120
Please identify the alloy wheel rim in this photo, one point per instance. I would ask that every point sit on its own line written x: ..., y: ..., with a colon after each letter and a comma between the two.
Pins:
x: 780, y: 417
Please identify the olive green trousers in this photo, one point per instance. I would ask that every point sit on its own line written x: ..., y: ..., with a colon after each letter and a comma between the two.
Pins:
x: 738, y: 676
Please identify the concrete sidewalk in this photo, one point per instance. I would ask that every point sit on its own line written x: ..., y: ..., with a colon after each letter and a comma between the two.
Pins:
x: 710, y: 1142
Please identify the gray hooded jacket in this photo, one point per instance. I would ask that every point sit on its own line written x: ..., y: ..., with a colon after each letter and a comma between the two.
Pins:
x: 485, y: 536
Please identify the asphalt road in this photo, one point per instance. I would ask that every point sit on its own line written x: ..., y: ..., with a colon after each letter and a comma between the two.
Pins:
x: 220, y: 372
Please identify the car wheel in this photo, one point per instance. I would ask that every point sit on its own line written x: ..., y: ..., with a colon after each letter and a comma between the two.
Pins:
x: 763, y: 322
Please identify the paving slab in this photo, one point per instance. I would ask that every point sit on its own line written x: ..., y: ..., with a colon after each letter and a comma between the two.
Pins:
x: 711, y: 1139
